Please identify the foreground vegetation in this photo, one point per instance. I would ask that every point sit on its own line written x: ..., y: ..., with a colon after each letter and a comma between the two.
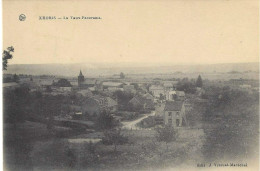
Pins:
x: 222, y: 127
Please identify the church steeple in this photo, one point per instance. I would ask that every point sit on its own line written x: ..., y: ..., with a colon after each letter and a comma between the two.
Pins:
x: 80, y: 78
x: 80, y: 73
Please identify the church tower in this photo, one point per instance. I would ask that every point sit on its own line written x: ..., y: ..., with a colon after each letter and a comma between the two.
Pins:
x: 80, y: 78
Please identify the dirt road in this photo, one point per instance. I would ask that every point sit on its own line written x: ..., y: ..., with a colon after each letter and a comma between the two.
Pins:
x: 132, y: 124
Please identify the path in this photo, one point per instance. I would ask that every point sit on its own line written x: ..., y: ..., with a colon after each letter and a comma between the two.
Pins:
x: 132, y: 124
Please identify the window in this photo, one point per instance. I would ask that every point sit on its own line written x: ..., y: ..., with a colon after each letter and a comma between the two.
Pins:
x: 177, y: 114
x: 169, y: 113
x: 177, y: 122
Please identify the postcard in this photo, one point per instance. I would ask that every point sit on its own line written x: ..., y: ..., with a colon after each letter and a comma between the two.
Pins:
x: 130, y: 85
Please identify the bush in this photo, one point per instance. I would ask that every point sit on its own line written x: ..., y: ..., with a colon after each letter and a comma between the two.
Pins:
x: 166, y: 134
x: 106, y: 121
x: 114, y: 137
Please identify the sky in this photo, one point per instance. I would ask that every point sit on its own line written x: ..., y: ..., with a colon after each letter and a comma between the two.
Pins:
x: 145, y: 31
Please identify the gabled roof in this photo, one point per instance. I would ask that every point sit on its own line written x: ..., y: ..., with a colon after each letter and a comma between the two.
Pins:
x: 173, y: 105
x: 111, y: 102
x: 148, y: 96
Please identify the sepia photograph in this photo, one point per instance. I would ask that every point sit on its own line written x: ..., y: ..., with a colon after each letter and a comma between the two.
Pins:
x: 130, y: 85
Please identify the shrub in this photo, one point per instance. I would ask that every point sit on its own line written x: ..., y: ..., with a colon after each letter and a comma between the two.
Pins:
x: 114, y: 137
x: 166, y: 134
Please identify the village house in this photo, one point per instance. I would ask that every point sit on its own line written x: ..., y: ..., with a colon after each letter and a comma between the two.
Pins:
x: 157, y: 90
x: 141, y: 103
x: 174, y: 113
x: 175, y: 95
x: 62, y: 86
x: 148, y: 96
x: 44, y: 83
x: 93, y: 106
x: 171, y: 95
x: 168, y: 86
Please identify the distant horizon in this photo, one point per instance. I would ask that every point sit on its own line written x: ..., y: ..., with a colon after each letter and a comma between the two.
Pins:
x: 102, y: 69
x: 135, y: 63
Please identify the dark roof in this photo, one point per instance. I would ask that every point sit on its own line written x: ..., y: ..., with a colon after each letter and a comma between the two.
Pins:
x: 173, y: 105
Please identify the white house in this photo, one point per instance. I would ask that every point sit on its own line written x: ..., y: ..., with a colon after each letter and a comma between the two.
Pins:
x: 174, y: 113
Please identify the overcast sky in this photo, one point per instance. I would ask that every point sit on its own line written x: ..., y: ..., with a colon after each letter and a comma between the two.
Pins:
x: 172, y: 31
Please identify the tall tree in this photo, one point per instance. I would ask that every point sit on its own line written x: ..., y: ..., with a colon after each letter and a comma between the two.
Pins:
x: 199, y: 82
x: 7, y: 55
